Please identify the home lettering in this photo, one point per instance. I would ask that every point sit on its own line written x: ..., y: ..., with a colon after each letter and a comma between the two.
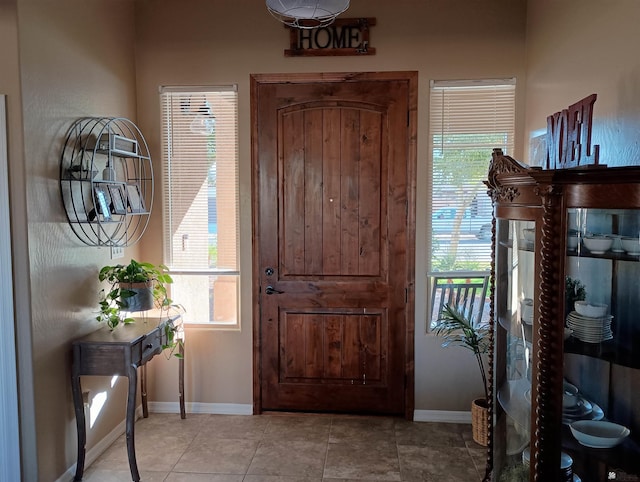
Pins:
x: 346, y: 36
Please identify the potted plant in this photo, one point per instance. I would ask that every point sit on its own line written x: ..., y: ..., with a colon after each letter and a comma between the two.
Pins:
x: 137, y: 286
x: 457, y: 329
x: 133, y: 287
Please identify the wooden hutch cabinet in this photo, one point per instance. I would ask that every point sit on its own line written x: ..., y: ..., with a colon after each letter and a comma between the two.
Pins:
x: 558, y: 375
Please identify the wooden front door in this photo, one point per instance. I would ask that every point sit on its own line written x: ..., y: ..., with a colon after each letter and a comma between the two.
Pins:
x: 333, y: 166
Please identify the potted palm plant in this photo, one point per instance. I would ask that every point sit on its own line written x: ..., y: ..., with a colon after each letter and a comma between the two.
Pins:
x: 137, y: 286
x: 458, y: 330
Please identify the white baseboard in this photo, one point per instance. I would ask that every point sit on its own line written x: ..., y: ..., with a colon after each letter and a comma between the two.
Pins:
x: 212, y: 408
x: 444, y: 416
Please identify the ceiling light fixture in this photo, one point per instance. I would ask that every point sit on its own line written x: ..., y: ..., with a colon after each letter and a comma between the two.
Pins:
x: 307, y: 14
x: 204, y: 122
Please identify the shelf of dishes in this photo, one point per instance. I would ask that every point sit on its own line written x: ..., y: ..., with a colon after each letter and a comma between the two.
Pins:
x: 590, y: 331
x: 605, y: 347
x: 597, y: 445
x: 589, y: 322
x: 578, y: 413
x: 515, y: 398
x: 586, y: 432
x: 602, y: 448
x: 582, y: 250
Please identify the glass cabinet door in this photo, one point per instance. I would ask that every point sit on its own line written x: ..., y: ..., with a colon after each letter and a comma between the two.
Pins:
x: 601, y: 399
x: 514, y: 321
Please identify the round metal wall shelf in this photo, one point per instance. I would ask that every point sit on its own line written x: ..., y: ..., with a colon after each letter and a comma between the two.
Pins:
x: 106, y: 181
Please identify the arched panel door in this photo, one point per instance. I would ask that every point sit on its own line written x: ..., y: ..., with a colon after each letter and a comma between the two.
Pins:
x: 334, y: 245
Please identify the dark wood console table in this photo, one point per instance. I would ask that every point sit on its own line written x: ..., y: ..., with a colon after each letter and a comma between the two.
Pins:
x: 120, y: 352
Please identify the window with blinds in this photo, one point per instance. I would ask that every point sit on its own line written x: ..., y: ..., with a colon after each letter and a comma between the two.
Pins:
x: 468, y: 119
x: 200, y: 201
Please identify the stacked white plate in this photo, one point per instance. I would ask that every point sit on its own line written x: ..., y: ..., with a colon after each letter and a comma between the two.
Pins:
x: 582, y: 410
x: 576, y: 407
x: 588, y: 329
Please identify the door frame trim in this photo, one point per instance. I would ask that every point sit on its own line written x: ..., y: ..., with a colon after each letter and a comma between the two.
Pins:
x: 412, y: 78
x: 9, y: 436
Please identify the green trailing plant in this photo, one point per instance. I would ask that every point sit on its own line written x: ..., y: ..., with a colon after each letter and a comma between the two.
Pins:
x: 171, y: 332
x: 458, y: 330
x: 118, y: 296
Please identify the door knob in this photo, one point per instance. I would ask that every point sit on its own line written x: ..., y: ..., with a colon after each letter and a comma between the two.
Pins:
x: 270, y: 290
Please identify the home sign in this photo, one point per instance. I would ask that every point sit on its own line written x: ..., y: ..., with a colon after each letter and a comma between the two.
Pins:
x: 345, y: 36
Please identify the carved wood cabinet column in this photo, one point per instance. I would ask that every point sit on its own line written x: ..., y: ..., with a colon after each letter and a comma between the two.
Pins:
x: 549, y: 346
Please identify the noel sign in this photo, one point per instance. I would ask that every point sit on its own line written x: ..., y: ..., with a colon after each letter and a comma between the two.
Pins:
x: 569, y: 136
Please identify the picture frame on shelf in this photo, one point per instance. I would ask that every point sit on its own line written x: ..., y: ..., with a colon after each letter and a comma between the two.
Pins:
x: 118, y: 199
x: 135, y: 200
x: 102, y: 201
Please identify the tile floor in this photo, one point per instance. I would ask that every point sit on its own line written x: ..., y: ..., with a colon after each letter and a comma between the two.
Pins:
x: 293, y: 448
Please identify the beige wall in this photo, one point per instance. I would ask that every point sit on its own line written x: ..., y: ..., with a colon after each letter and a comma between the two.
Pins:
x: 60, y: 63
x: 579, y: 47
x: 223, y: 42
x: 76, y: 59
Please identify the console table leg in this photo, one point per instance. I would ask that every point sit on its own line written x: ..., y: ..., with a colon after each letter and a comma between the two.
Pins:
x: 143, y: 390
x: 130, y: 422
x: 80, y: 424
x: 183, y: 413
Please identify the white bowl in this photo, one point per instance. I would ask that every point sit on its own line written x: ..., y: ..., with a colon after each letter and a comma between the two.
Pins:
x: 591, y: 310
x: 598, y: 434
x: 597, y: 244
x: 631, y: 245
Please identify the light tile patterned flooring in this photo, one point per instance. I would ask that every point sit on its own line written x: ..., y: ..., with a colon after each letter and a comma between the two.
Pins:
x: 293, y: 448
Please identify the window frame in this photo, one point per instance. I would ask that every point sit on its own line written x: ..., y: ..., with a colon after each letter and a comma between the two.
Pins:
x: 452, y: 120
x: 168, y: 257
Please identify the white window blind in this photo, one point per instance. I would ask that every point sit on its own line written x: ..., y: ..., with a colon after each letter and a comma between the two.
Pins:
x: 467, y: 120
x: 200, y: 200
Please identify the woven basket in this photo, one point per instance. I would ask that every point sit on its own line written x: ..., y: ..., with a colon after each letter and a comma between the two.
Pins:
x: 480, y: 421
